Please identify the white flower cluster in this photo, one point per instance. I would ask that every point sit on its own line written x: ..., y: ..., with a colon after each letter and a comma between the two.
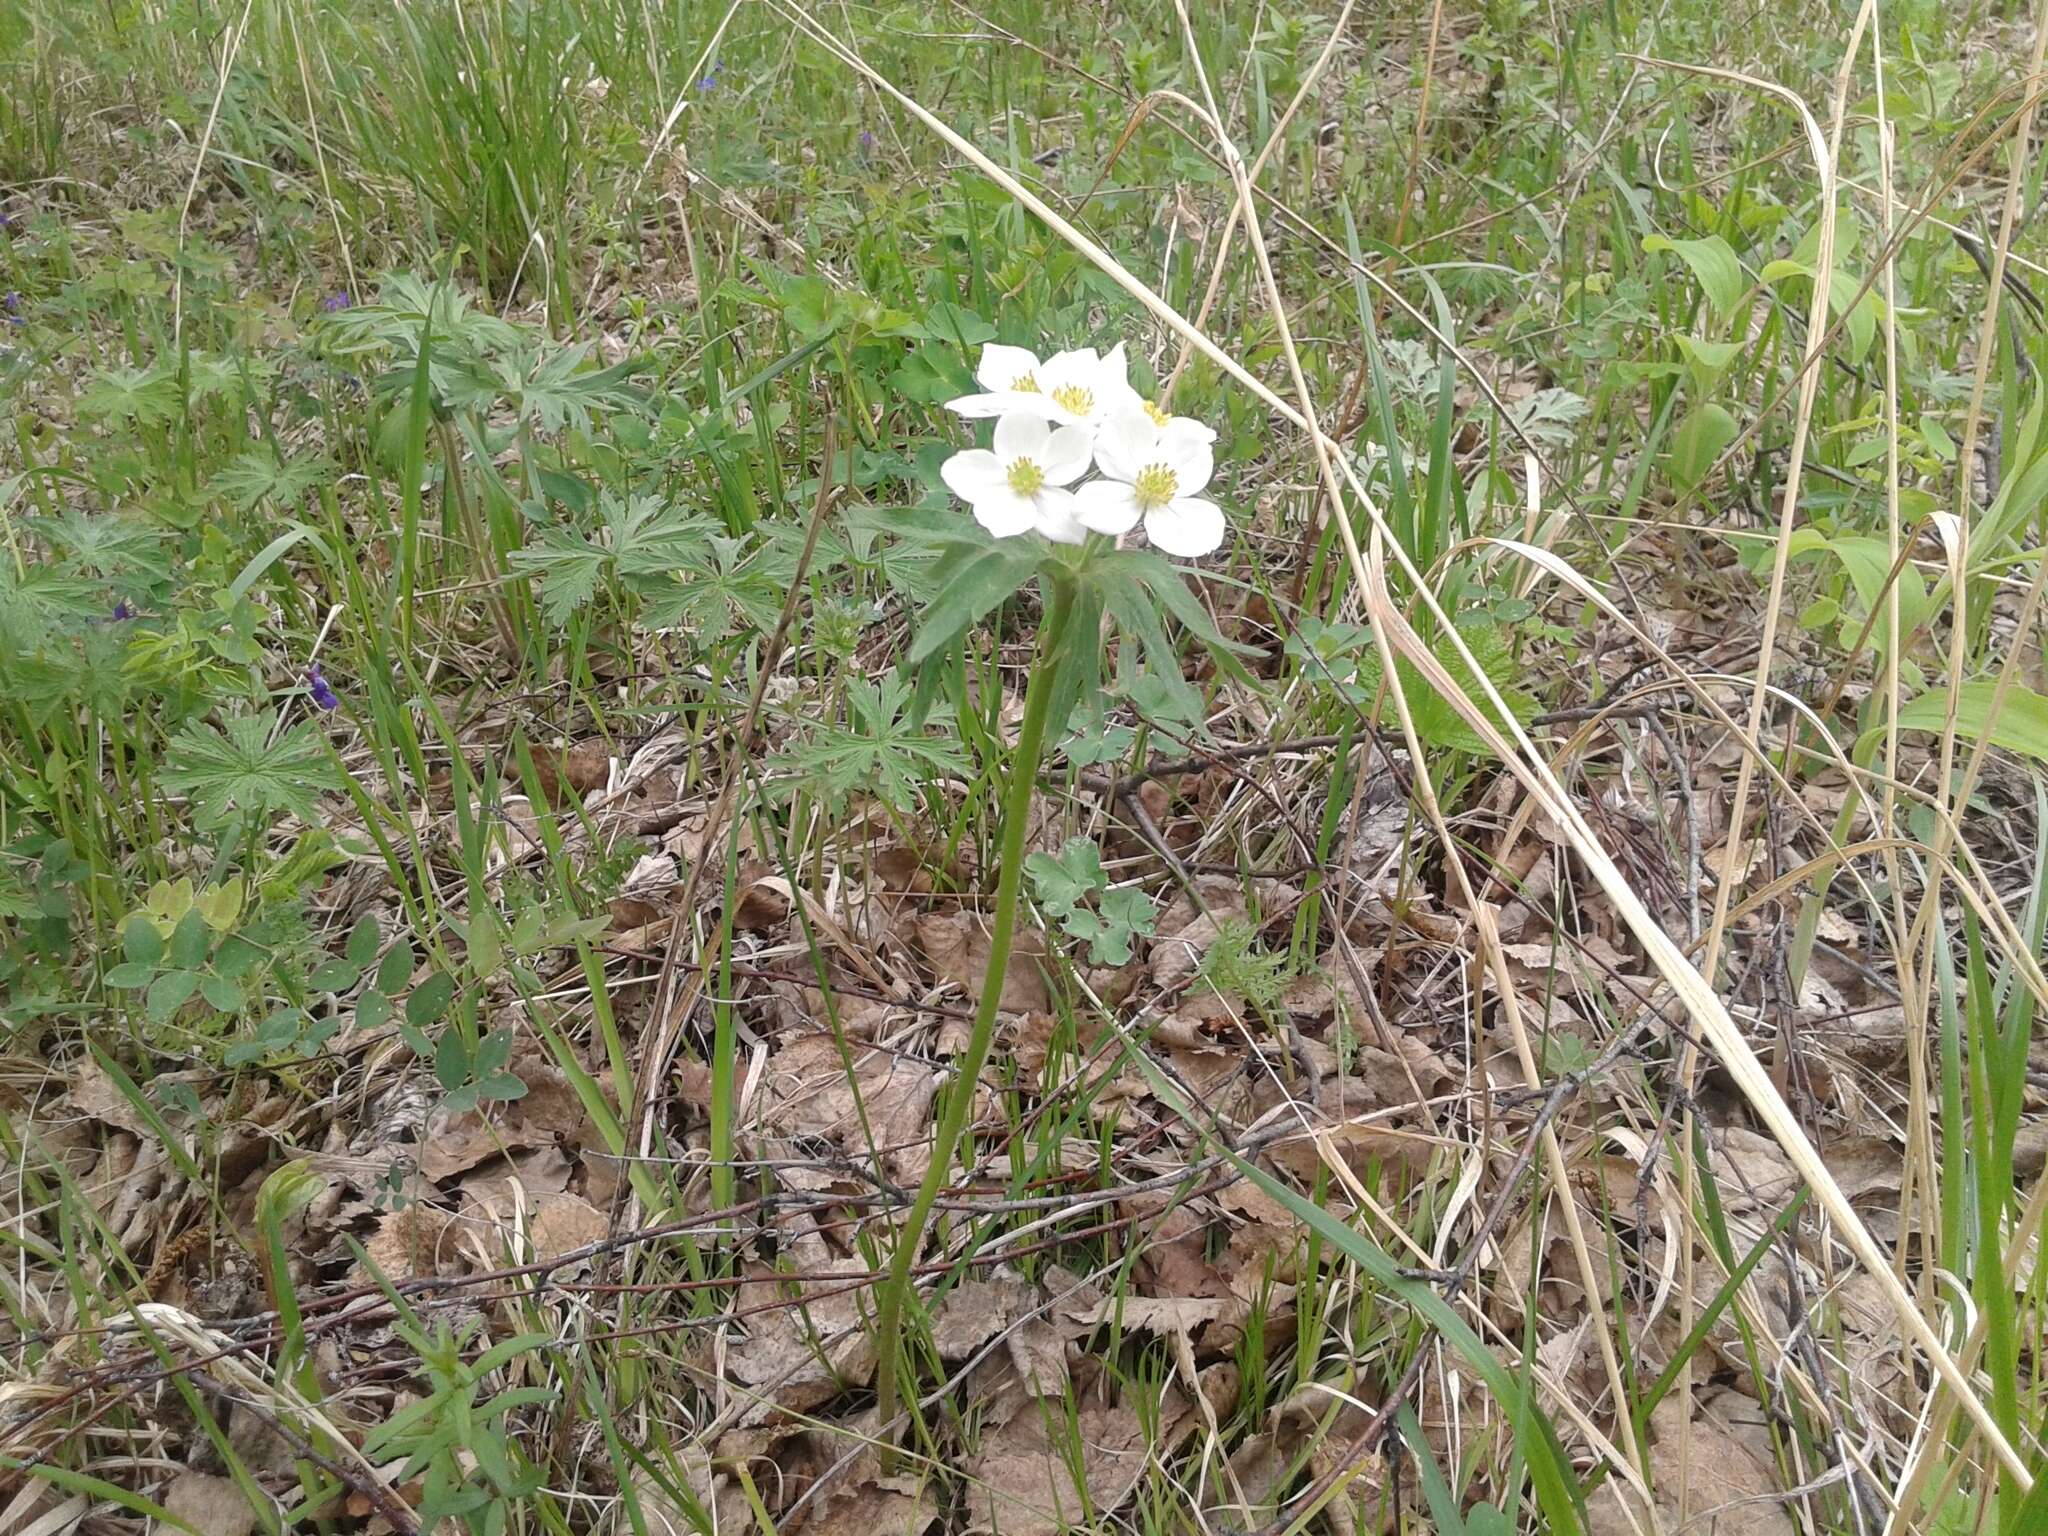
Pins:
x: 1056, y: 418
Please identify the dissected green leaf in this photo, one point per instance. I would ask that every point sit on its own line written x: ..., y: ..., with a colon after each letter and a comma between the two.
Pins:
x: 237, y: 768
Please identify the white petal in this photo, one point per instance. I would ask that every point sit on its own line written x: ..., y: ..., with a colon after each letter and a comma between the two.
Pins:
x: 1187, y: 526
x: 1001, y: 367
x: 1125, y: 444
x: 1056, y: 517
x: 1021, y: 435
x: 1107, y: 506
x: 1078, y: 366
x: 1191, y: 460
x: 1073, y: 370
x: 1001, y: 403
x: 1188, y: 426
x: 1006, y: 514
x: 974, y: 474
x: 1066, y: 455
x: 1115, y: 371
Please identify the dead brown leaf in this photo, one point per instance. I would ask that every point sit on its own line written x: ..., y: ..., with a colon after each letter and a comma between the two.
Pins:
x: 563, y: 1223
x: 411, y: 1243
x: 807, y: 1342
x: 580, y: 770
x: 1022, y: 1475
x: 214, y: 1505
x: 549, y: 1113
x: 1733, y: 1490
x: 810, y: 1094
x: 955, y: 945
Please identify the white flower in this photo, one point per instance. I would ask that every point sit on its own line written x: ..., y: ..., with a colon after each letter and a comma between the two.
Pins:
x: 1019, y: 486
x: 1074, y: 389
x: 1155, y: 464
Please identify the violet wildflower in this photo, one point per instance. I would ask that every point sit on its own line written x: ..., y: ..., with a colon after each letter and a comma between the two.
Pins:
x: 122, y: 612
x: 866, y: 143
x: 10, y: 301
x: 316, y: 685
x: 710, y: 82
x: 335, y: 303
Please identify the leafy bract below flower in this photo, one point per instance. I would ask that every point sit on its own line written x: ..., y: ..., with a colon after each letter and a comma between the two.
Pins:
x: 1072, y: 389
x: 1155, y: 464
x: 1020, y: 485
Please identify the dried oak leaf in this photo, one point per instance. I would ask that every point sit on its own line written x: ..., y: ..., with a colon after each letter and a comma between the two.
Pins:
x: 581, y: 768
x: 411, y: 1243
x: 956, y: 946
x: 1022, y: 1477
x: 556, y: 1222
x: 94, y: 1093
x: 809, y: 1094
x: 549, y: 1113
x: 1303, y: 1439
x: 975, y: 1311
x: 1733, y: 1486
x: 884, y: 1506
x: 807, y: 1341
x: 215, y: 1505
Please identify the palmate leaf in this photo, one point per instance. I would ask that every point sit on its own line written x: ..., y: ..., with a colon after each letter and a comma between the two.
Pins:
x: 970, y: 580
x: 106, y: 544
x: 569, y: 566
x: 562, y: 392
x: 642, y: 537
x: 727, y: 592
x: 40, y: 599
x: 239, y: 769
x: 146, y: 396
x: 882, y: 752
x: 256, y: 475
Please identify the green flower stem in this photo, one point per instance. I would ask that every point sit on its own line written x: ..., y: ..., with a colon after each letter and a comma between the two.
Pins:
x: 959, y: 1097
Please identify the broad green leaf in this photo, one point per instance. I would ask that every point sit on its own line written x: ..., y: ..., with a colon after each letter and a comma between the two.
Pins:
x: 430, y: 1000
x: 170, y: 991
x: 1713, y: 262
x: 1708, y: 360
x: 982, y: 582
x: 141, y: 941
x: 190, y: 940
x: 947, y: 321
x: 1698, y: 443
x: 394, y: 970
x: 363, y: 940
x: 2021, y: 726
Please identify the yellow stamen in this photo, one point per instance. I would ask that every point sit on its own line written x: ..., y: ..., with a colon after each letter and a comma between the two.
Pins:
x: 1159, y: 417
x: 1026, y: 477
x: 1155, y: 486
x: 1072, y: 397
x: 1025, y: 383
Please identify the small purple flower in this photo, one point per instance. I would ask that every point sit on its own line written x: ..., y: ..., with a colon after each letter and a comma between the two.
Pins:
x: 335, y: 303
x: 10, y: 301
x: 316, y: 685
x: 122, y: 612
x: 710, y: 82
x: 867, y: 143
